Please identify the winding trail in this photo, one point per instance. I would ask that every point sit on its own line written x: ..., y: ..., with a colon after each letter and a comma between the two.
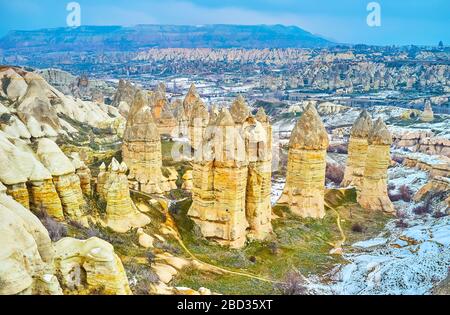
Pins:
x: 171, y: 226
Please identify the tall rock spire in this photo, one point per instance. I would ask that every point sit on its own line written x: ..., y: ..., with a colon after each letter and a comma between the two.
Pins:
x: 305, y: 179
x: 373, y: 193
x: 357, y: 151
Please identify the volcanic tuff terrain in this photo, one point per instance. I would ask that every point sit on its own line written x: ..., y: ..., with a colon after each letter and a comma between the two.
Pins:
x: 319, y: 194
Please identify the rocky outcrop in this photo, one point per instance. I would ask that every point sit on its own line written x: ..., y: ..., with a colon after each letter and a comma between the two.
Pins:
x: 435, y: 165
x: 121, y: 213
x: 305, y: 178
x: 26, y: 253
x: 436, y: 185
x: 421, y: 140
x: 36, y: 109
x: 141, y: 149
x: 83, y: 172
x: 27, y: 180
x: 67, y: 183
x: 427, y: 114
x: 357, y: 151
x: 90, y: 267
x: 373, y: 195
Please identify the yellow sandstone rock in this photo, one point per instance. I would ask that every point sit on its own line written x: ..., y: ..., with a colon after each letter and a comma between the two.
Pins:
x: 220, y: 181
x: 232, y: 181
x: 259, y: 156
x: 121, y: 213
x: 141, y: 149
x: 67, y: 183
x: 197, y: 124
x: 305, y: 178
x: 373, y: 195
x: 90, y: 266
x: 357, y: 151
x: 187, y: 180
x: 83, y: 172
x: 26, y: 252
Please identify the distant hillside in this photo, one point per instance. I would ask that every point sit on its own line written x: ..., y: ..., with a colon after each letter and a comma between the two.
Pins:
x: 118, y: 38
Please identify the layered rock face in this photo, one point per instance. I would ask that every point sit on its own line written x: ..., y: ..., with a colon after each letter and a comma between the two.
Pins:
x: 141, y: 149
x: 436, y: 185
x: 305, y: 178
x: 121, y: 213
x: 67, y: 183
x: 27, y: 180
x: 357, y: 151
x: 220, y: 182
x: 373, y: 195
x: 26, y: 253
x: 427, y: 114
x: 232, y: 182
x: 259, y: 178
x: 90, y: 266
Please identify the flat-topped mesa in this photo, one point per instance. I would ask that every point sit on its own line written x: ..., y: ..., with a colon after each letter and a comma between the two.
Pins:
x: 305, y: 179
x: 67, y: 183
x: 189, y: 100
x: 373, y: 194
x: 141, y: 149
x: 121, y: 213
x: 357, y: 151
x: 427, y: 114
x: 26, y: 252
x: 219, y: 186
x: 197, y: 124
x: 83, y: 172
x: 239, y: 110
x: 259, y: 155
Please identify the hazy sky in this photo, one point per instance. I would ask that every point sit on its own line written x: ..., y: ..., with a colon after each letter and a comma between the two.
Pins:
x: 402, y: 21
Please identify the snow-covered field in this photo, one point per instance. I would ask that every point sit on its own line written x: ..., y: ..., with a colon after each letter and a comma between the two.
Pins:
x: 399, y: 260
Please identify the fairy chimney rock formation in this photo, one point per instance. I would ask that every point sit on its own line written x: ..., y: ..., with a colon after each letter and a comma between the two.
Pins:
x: 427, y: 114
x: 189, y: 100
x: 220, y: 181
x: 197, y: 124
x: 83, y: 172
x: 231, y: 182
x: 305, y: 179
x: 259, y: 156
x: 121, y: 213
x: 373, y: 195
x: 239, y: 110
x: 67, y: 183
x: 357, y: 151
x: 26, y: 252
x: 141, y: 149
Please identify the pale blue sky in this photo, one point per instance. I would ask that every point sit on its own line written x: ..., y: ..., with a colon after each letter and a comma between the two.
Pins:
x: 419, y: 22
